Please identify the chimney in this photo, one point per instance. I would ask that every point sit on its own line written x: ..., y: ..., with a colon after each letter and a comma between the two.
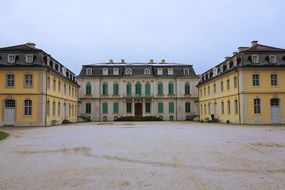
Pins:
x: 30, y: 44
x: 111, y: 61
x: 240, y: 49
x: 162, y: 61
x: 254, y: 43
x: 122, y: 61
x: 234, y: 53
x: 151, y: 61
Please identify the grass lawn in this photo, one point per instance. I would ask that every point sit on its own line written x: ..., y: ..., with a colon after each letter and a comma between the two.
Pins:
x: 3, y: 135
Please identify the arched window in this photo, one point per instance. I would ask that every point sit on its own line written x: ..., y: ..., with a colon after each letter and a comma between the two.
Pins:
x: 129, y: 89
x: 147, y: 71
x: 88, y: 88
x: 147, y: 89
x: 170, y: 88
x: 129, y: 71
x: 105, y: 89
x: 187, y: 88
x: 160, y: 89
x: 138, y: 89
x: 28, y: 107
x: 115, y: 89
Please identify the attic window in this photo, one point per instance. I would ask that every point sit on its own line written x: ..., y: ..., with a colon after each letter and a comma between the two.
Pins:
x: 147, y: 71
x: 48, y: 61
x: 116, y: 71
x: 255, y: 59
x: 89, y: 71
x: 11, y: 58
x: 29, y: 58
x: 159, y: 71
x: 170, y: 71
x: 186, y: 71
x: 105, y: 71
x: 272, y: 59
x: 129, y: 71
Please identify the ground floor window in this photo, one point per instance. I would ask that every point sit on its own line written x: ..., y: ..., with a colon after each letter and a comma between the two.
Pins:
x: 147, y: 107
x: 160, y: 107
x: 171, y: 107
x: 236, y: 107
x: 257, y: 108
x: 229, y: 107
x: 187, y: 107
x: 129, y: 107
x: 105, y: 107
x: 28, y: 107
x: 116, y: 107
x: 47, y: 108
x: 223, y: 108
x: 88, y: 108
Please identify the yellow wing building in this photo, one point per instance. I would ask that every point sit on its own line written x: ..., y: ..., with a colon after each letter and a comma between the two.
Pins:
x: 246, y: 88
x: 35, y: 89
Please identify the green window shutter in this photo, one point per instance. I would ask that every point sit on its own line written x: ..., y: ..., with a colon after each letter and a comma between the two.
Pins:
x: 88, y: 89
x: 171, y: 107
x: 105, y: 107
x: 187, y: 89
x: 147, y: 89
x: 187, y: 107
x: 116, y: 107
x: 170, y: 89
x: 129, y: 89
x: 147, y: 107
x: 105, y: 89
x: 115, y: 89
x: 129, y: 107
x: 138, y: 89
x: 160, y: 89
x: 160, y: 107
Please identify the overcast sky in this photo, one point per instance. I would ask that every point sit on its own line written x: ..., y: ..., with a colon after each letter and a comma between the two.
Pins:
x: 201, y: 33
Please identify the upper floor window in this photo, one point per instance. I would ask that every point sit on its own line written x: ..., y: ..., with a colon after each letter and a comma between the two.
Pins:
x: 129, y: 89
x: 272, y: 59
x: 28, y: 107
x: 10, y: 80
x: 105, y: 89
x: 215, y: 88
x: 138, y: 89
x: 147, y: 89
x: 29, y: 58
x: 274, y: 81
x: 187, y: 88
x: 28, y: 81
x: 88, y: 89
x: 11, y: 58
x: 170, y: 71
x: 64, y: 88
x: 115, y: 71
x: 105, y: 71
x: 160, y: 89
x: 147, y: 71
x: 54, y: 84
x: 222, y: 86
x: 129, y: 71
x: 89, y: 71
x: 255, y: 59
x: 48, y: 61
x: 255, y: 80
x: 159, y: 71
x: 208, y: 90
x: 235, y: 82
x: 170, y: 88
x: 186, y: 71
x: 115, y: 89
x: 228, y: 84
x: 48, y: 83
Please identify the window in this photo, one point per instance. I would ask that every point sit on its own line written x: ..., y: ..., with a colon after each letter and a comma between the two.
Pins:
x: 170, y: 71
x: 48, y: 83
x: 160, y: 89
x: 272, y: 59
x: 208, y: 90
x: 11, y: 58
x: 160, y: 107
x: 129, y: 107
x: 129, y: 71
x: 204, y: 91
x: 105, y: 71
x: 147, y: 71
x: 186, y: 71
x: 228, y: 84
x: 215, y: 88
x: 147, y: 89
x: 88, y: 108
x: 115, y: 71
x: 159, y: 71
x: 201, y: 92
x: 48, y: 108
x: 187, y: 88
x: 255, y: 80
x: 115, y: 89
x: 115, y: 107
x: 236, y: 107
x: 58, y: 86
x: 54, y: 84
x: 64, y: 88
x: 205, y: 109
x: 147, y: 107
x: 256, y: 103
x: 129, y: 89
x: 88, y: 89
x: 229, y: 107
x: 10, y: 80
x: 53, y: 108
x: 28, y: 81
x: 235, y: 82
x: 58, y: 108
x: 201, y: 109
x: 69, y: 90
x: 28, y: 107
x: 187, y: 107
x: 209, y: 108
x: 170, y: 89
x: 105, y: 107
x: 171, y: 107
x: 105, y: 89
x: 274, y: 102
x: 29, y: 58
x: 255, y: 59
x: 138, y: 89
x: 89, y: 71
x: 223, y: 108
x: 222, y: 86
x: 274, y: 81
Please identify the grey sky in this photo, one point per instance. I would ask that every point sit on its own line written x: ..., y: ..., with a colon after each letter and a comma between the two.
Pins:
x: 201, y: 32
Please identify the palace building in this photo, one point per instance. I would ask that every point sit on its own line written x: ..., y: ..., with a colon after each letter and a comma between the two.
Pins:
x: 36, y: 90
x: 111, y: 90
x: 246, y: 88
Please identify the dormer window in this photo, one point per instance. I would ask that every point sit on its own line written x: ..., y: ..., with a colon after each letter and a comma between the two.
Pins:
x: 255, y: 59
x: 186, y: 71
x: 89, y: 71
x: 170, y: 71
x: 116, y: 71
x: 48, y: 61
x: 29, y: 58
x: 11, y: 58
x: 272, y: 59
x: 159, y: 71
x: 147, y: 71
x: 129, y: 71
x: 105, y: 71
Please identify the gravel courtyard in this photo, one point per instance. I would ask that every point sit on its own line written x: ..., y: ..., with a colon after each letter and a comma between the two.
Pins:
x: 150, y: 155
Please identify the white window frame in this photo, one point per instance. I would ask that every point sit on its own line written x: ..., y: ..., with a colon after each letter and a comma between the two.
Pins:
x: 29, y: 58
x: 11, y: 58
x: 255, y: 59
x: 89, y: 71
x: 170, y: 71
x: 129, y: 71
x: 186, y: 71
x: 115, y: 71
x: 28, y: 80
x: 272, y: 59
x: 147, y: 71
x: 105, y: 71
x: 160, y: 71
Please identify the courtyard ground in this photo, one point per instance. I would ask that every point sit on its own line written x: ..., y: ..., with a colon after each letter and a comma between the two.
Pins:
x: 150, y: 155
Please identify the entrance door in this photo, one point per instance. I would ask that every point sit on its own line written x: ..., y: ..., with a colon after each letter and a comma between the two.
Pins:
x: 138, y: 109
x: 275, y: 111
x: 9, y: 112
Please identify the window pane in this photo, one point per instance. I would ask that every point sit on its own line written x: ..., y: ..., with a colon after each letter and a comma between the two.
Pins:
x: 171, y: 107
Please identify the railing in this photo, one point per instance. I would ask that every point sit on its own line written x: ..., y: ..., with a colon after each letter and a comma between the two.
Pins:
x: 138, y: 95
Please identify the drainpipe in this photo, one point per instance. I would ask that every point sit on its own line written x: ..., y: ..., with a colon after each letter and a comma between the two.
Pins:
x: 99, y: 99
